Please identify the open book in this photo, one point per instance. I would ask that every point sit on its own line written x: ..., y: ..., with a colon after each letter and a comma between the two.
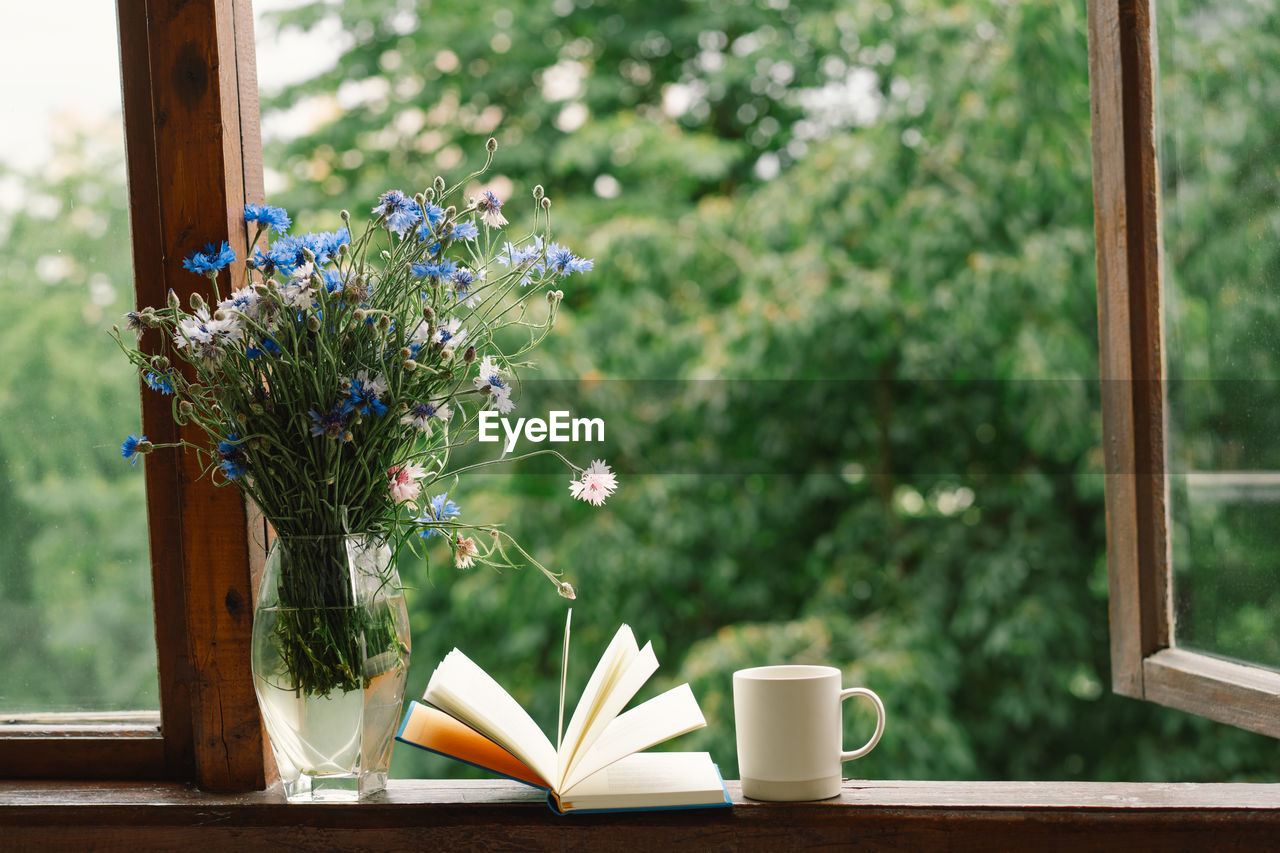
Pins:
x: 598, y: 765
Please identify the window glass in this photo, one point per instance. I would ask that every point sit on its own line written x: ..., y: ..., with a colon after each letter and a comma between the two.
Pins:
x: 1219, y: 87
x: 75, y: 588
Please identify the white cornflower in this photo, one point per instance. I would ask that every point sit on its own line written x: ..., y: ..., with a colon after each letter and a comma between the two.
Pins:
x: 422, y: 415
x: 596, y: 484
x: 490, y: 210
x: 451, y: 334
x: 208, y: 338
x: 499, y: 392
x: 297, y: 293
x: 244, y: 301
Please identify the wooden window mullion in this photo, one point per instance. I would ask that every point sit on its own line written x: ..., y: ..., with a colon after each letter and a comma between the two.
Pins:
x: 190, y: 115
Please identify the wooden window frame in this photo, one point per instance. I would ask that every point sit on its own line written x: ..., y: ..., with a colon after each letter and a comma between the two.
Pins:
x: 1146, y: 662
x: 194, y: 157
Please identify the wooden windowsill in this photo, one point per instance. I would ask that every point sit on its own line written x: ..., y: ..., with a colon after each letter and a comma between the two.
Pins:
x: 447, y: 815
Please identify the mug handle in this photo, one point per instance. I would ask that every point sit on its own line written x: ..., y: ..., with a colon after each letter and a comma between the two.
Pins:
x: 875, y: 738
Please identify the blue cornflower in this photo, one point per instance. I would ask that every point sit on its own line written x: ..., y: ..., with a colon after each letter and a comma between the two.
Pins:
x: 129, y: 449
x: 333, y: 282
x: 332, y: 425
x: 400, y: 210
x: 325, y: 244
x: 527, y: 257
x: 443, y: 268
x: 562, y: 261
x: 465, y: 231
x: 211, y: 260
x: 432, y: 214
x: 440, y: 509
x: 286, y: 253
x: 267, y: 346
x: 463, y: 278
x: 365, y: 394
x: 159, y: 381
x: 274, y: 218
x: 233, y: 459
x: 264, y: 262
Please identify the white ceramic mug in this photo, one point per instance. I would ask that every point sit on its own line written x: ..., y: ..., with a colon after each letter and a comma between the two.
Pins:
x: 788, y: 722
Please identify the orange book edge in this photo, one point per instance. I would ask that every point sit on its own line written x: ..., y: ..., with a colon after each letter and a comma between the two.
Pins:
x: 432, y: 729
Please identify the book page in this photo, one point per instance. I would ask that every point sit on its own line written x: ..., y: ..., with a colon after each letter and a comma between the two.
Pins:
x: 622, y: 649
x: 564, y: 680
x: 615, y: 698
x: 463, y: 690
x: 661, y: 718
x: 649, y: 780
x: 433, y: 729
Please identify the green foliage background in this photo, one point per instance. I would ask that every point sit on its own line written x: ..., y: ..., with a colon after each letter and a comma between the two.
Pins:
x: 847, y: 355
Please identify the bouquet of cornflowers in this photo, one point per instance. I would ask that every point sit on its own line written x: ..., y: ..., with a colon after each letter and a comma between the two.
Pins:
x: 333, y: 385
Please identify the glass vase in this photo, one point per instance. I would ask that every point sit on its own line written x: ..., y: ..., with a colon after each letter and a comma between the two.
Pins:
x: 330, y: 658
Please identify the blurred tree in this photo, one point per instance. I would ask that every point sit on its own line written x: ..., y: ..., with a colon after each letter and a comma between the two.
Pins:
x: 74, y: 582
x: 860, y: 236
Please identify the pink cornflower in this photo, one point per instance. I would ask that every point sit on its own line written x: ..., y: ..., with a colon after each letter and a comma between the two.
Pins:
x: 404, y: 482
x: 596, y: 483
x: 465, y: 551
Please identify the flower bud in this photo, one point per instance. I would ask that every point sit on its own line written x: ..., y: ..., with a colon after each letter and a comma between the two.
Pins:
x: 384, y: 323
x: 403, y: 407
x: 410, y: 365
x: 439, y: 186
x: 346, y: 435
x: 345, y: 214
x: 313, y: 323
x: 491, y: 145
x: 470, y: 355
x: 344, y: 250
x: 359, y: 314
x: 546, y: 203
x: 185, y: 410
x: 429, y: 194
x: 427, y: 313
x: 450, y: 212
x: 405, y: 352
x: 309, y: 255
x: 314, y: 280
x: 160, y: 363
x: 173, y: 300
x: 566, y: 590
x: 197, y: 302
x: 537, y: 192
x: 219, y: 315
